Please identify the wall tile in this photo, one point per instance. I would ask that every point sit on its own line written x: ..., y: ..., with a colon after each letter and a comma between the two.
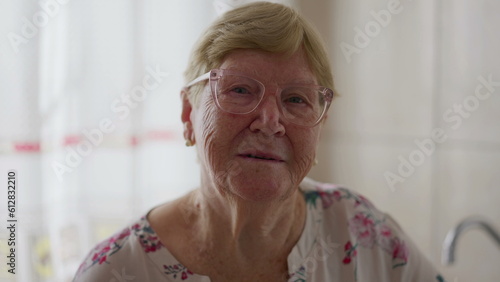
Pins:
x: 467, y: 185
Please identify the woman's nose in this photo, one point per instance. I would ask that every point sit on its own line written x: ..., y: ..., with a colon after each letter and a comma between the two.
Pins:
x: 268, y: 117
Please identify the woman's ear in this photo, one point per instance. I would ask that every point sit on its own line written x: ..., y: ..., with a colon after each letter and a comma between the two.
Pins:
x: 187, y: 108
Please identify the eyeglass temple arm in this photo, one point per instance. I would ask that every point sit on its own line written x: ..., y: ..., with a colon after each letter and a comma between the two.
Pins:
x: 200, y: 78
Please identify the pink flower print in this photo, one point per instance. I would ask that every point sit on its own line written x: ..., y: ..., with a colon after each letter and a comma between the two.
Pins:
x: 363, y: 228
x: 346, y: 260
x: 105, y: 249
x: 103, y: 259
x: 153, y: 248
x: 357, y: 203
x: 326, y: 199
x: 176, y: 269
x: 150, y: 243
x: 184, y: 274
x: 152, y: 238
x: 350, y: 252
x: 362, y: 200
x: 124, y: 233
x: 337, y: 195
x: 385, y: 231
x: 112, y: 245
x: 400, y: 251
x: 385, y: 239
x: 348, y: 246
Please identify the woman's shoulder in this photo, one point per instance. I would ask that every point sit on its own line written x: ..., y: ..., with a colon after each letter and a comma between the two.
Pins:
x: 330, y: 197
x: 361, y: 231
x: 122, y: 253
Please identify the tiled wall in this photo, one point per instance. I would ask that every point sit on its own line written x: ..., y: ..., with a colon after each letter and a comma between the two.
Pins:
x: 399, y: 89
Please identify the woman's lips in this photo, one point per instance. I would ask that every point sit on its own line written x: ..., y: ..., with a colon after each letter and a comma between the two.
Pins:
x: 262, y: 156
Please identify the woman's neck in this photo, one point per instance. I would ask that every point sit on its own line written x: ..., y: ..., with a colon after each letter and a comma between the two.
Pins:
x: 243, y: 229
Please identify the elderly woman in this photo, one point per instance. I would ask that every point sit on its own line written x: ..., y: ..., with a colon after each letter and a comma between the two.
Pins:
x: 259, y: 88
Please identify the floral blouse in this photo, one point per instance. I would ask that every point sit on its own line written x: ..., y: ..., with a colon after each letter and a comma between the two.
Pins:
x: 345, y: 239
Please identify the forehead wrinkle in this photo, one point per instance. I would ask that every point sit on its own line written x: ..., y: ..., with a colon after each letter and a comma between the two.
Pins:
x: 257, y: 75
x: 256, y: 61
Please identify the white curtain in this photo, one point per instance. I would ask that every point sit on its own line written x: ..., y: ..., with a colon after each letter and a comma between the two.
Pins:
x: 91, y: 121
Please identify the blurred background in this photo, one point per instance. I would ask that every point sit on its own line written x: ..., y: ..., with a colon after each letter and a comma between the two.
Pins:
x: 90, y: 119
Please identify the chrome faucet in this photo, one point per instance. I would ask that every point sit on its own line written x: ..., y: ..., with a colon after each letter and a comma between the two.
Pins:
x: 450, y: 242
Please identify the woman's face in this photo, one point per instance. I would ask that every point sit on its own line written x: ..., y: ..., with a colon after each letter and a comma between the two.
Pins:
x: 256, y: 156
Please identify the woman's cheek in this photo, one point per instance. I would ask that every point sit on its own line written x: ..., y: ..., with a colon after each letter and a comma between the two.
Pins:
x: 304, y: 164
x: 306, y: 153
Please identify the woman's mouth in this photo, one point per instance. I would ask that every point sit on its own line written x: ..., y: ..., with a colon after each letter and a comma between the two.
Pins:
x: 259, y: 157
x: 264, y: 157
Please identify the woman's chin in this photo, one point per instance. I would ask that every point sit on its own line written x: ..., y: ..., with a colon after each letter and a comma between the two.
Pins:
x: 260, y: 189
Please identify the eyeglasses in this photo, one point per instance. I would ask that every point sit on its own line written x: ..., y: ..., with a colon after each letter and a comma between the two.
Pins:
x: 303, y: 105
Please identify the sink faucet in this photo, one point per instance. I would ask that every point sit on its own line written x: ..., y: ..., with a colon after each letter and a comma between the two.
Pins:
x: 450, y: 242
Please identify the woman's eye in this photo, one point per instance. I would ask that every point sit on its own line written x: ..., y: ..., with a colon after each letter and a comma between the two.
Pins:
x: 295, y: 100
x: 240, y: 90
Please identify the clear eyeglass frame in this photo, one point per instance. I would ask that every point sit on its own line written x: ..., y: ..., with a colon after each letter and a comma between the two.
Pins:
x: 215, y: 75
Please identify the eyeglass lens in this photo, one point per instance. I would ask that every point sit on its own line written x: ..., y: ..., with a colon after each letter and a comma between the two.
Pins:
x: 303, y: 105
